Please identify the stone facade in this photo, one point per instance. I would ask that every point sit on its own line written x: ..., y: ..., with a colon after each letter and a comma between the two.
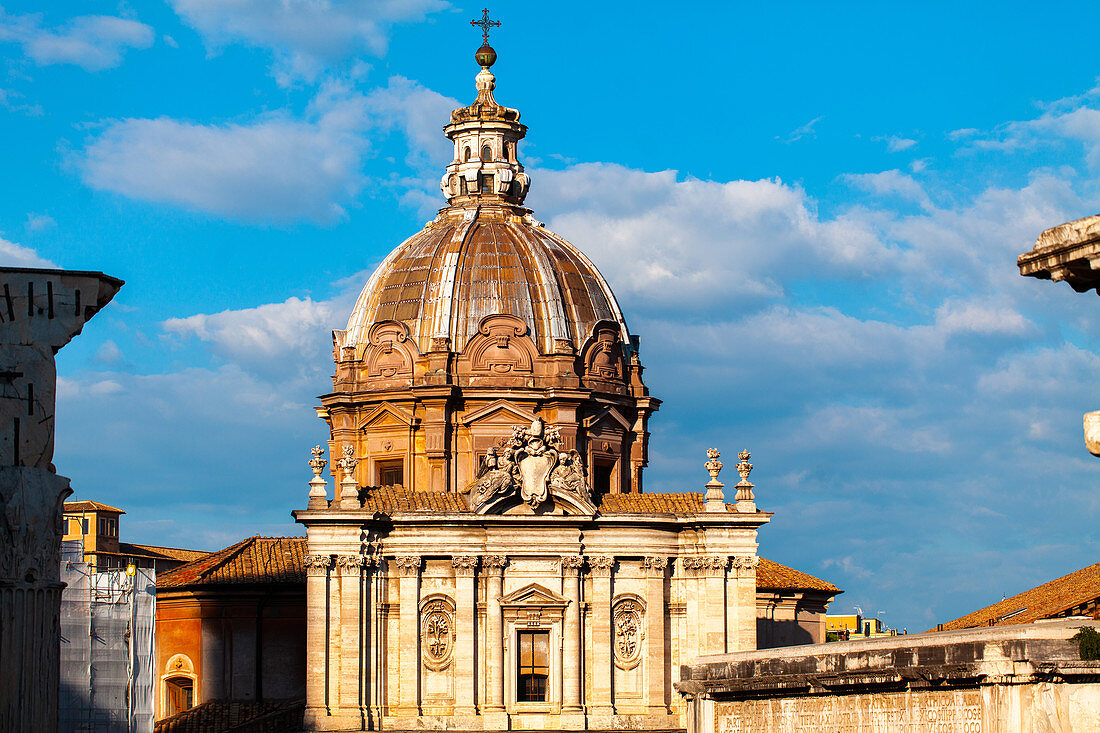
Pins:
x: 423, y: 619
x: 40, y: 312
x: 1012, y: 679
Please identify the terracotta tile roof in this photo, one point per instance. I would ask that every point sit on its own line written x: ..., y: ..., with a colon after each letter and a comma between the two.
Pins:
x: 770, y: 575
x: 160, y: 553
x: 689, y: 502
x: 251, y: 561
x: 231, y: 716
x: 1073, y: 594
x: 280, y: 560
x: 390, y: 499
x: 90, y: 506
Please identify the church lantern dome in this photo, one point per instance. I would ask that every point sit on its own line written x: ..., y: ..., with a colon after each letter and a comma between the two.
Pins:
x: 485, y: 254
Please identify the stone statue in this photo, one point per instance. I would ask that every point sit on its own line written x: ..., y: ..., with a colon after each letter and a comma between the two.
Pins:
x: 531, y: 463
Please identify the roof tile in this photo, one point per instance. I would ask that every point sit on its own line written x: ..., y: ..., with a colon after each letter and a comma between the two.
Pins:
x: 1057, y: 598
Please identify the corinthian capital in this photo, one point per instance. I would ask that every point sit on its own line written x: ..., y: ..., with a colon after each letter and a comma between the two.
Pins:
x: 655, y: 564
x: 601, y: 565
x: 350, y: 564
x: 464, y: 565
x: 494, y: 562
x: 408, y: 564
x: 571, y: 564
x: 317, y: 564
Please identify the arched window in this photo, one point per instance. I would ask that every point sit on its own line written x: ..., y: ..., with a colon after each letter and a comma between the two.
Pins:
x: 179, y: 695
x: 486, y: 153
x: 466, y: 155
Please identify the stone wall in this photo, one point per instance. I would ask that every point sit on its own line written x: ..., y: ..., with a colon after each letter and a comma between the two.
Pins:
x: 1016, y: 679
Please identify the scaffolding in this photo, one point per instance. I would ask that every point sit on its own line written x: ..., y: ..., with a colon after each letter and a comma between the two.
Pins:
x: 106, y: 647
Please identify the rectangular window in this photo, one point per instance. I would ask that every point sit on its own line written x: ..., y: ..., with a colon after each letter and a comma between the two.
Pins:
x: 601, y: 482
x: 534, y: 666
x: 84, y: 525
x: 390, y: 473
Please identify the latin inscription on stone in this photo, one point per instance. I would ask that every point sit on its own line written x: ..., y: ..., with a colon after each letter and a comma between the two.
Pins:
x: 956, y: 711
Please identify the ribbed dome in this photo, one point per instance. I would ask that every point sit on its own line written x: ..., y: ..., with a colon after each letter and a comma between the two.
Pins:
x: 470, y: 263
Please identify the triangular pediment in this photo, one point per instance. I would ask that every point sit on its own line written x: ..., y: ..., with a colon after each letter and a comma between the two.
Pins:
x: 608, y: 415
x: 500, y: 411
x: 534, y: 595
x: 387, y: 414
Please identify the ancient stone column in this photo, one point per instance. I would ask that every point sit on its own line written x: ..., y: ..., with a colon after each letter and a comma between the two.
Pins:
x: 572, y: 711
x: 714, y: 620
x: 409, y: 636
x: 493, y: 711
x: 317, y: 672
x: 40, y: 312
x: 465, y: 675
x: 351, y: 642
x: 602, y: 642
x: 656, y: 604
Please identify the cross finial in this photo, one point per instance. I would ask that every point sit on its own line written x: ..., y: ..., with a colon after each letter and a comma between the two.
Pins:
x: 485, y: 24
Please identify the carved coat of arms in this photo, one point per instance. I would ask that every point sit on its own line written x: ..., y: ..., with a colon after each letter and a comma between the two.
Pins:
x: 531, y: 462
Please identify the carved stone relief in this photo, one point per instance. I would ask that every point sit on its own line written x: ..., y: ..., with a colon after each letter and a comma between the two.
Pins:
x: 629, y: 620
x: 532, y: 463
x: 390, y: 353
x: 603, y: 358
x: 437, y: 624
x: 501, y: 346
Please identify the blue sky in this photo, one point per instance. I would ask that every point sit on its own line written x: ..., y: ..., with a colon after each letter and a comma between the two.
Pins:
x: 810, y: 213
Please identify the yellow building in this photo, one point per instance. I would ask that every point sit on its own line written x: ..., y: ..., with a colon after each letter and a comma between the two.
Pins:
x: 845, y: 626
x: 95, y: 526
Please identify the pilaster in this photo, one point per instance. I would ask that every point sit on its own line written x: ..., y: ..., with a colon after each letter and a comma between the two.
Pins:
x: 656, y: 603
x: 317, y: 671
x: 465, y: 674
x: 408, y: 566
x: 602, y: 642
x: 714, y: 620
x: 572, y: 713
x: 351, y: 668
x: 493, y: 714
x: 743, y: 580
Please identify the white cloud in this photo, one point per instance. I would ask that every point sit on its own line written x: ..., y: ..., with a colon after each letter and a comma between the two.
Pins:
x: 275, y: 338
x: 92, y: 42
x: 802, y: 131
x: 276, y: 168
x: 897, y: 143
x: 670, y: 242
x: 891, y: 183
x: 304, y: 34
x: 981, y: 317
x: 16, y: 255
x: 39, y: 222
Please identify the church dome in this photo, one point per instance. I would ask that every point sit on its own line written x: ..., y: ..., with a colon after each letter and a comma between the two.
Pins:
x: 485, y: 254
x: 469, y: 264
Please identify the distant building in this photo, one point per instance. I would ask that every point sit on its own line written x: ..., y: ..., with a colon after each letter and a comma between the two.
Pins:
x: 1073, y: 595
x: 790, y: 606
x: 232, y: 626
x: 96, y: 526
x: 846, y: 626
